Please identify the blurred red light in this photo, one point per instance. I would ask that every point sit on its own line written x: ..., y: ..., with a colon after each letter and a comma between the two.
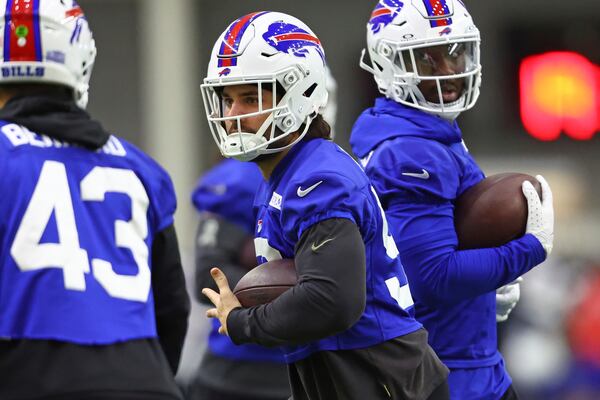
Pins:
x: 560, y: 92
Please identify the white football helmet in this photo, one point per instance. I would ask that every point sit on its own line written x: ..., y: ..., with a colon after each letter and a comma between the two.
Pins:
x: 46, y: 41
x: 330, y: 111
x: 267, y: 49
x: 399, y: 34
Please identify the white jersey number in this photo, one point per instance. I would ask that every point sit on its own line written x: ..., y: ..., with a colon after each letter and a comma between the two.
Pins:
x: 388, y: 240
x: 400, y: 293
x: 52, y: 195
x: 264, y: 249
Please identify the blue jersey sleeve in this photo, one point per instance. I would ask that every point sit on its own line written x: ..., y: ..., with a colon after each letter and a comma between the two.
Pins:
x: 320, y: 197
x: 437, y: 271
x: 162, y: 199
x: 421, y: 216
x: 159, y: 187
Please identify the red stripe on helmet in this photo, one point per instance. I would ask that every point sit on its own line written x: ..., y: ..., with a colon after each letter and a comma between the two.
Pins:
x: 298, y: 36
x: 22, y: 31
x: 74, y: 12
x: 234, y: 32
x: 380, y: 11
x: 437, y: 7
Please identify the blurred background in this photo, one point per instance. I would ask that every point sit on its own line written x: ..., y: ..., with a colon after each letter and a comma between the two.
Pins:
x: 539, y: 112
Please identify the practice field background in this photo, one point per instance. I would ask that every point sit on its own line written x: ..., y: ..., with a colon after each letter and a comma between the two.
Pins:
x: 152, y: 58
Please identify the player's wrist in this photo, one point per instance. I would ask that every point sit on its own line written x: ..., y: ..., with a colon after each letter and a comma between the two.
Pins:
x: 237, y: 321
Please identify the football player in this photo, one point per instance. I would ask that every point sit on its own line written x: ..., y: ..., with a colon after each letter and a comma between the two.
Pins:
x: 224, y: 198
x: 225, y: 237
x: 93, y: 302
x: 346, y: 328
x: 425, y: 61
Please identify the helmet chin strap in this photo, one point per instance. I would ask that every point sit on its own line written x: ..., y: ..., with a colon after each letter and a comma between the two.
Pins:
x: 244, y: 146
x: 232, y: 146
x: 448, y: 115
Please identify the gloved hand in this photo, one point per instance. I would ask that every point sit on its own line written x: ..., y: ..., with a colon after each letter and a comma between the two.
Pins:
x: 507, y: 298
x: 540, y: 218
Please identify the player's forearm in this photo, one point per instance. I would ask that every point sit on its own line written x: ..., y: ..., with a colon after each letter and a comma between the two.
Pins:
x: 438, y: 272
x: 452, y: 275
x: 329, y: 297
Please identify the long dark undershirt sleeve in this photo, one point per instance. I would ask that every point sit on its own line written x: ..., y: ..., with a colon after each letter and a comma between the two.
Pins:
x: 329, y: 297
x: 171, y: 300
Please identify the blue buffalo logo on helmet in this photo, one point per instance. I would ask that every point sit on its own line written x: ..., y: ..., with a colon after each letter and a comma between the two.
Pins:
x: 225, y: 72
x: 446, y: 31
x: 384, y: 13
x: 291, y: 39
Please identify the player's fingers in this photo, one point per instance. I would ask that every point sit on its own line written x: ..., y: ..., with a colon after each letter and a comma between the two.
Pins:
x: 533, y: 200
x: 212, y: 295
x: 222, y: 330
x: 501, y: 291
x: 212, y: 313
x: 546, y: 191
x: 220, y: 279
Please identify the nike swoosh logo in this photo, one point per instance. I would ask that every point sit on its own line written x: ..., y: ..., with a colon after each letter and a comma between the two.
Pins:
x: 315, y: 248
x: 420, y: 175
x: 303, y: 192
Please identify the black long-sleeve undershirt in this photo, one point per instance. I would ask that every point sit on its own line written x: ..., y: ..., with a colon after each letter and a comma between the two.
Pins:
x: 330, y: 295
x: 171, y: 300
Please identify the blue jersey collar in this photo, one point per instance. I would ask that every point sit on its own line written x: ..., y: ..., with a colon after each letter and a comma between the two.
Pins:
x: 388, y: 119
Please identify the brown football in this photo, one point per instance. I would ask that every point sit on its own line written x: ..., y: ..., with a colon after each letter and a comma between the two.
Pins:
x: 493, y: 212
x: 266, y: 282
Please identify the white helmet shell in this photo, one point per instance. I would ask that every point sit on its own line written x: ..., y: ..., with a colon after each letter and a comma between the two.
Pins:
x: 398, y: 28
x: 46, y: 41
x: 330, y: 111
x: 268, y: 49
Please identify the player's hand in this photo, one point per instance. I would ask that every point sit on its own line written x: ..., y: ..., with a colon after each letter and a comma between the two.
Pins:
x: 224, y: 301
x: 540, y: 218
x: 507, y: 298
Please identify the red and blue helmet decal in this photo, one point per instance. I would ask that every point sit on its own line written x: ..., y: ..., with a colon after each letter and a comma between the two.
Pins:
x: 439, y: 9
x: 22, y: 39
x: 291, y: 39
x: 384, y: 13
x: 230, y: 45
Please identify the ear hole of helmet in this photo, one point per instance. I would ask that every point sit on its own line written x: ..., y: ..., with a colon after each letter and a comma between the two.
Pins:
x: 310, y: 90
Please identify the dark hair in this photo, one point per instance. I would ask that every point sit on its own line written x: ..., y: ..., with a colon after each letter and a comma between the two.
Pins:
x: 318, y: 129
x: 33, y: 89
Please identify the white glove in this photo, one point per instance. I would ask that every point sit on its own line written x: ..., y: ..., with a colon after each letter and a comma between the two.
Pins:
x: 540, y: 217
x: 507, y: 298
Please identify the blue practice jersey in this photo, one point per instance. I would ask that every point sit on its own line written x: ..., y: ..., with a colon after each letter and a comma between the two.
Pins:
x: 76, y: 233
x: 419, y: 165
x: 317, y: 181
x: 228, y: 190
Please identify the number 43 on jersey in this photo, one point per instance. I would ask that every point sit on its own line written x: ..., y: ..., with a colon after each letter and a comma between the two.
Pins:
x: 52, y: 194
